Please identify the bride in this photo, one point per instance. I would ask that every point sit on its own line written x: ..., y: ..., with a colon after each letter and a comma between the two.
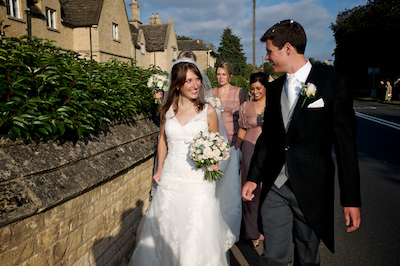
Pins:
x: 184, y: 224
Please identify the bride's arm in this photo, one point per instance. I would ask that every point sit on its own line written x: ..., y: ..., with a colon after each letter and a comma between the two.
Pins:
x: 161, y: 152
x: 212, y: 119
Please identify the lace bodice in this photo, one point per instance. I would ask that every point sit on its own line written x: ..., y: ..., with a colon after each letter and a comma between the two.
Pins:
x: 178, y: 142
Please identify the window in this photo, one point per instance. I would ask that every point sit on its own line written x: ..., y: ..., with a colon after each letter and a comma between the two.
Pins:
x: 115, y: 31
x: 142, y: 48
x: 13, y: 8
x: 174, y: 54
x: 51, y: 18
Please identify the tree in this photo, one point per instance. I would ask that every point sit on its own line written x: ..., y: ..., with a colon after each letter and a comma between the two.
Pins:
x: 209, y: 45
x: 320, y: 64
x: 183, y: 38
x: 231, y: 50
x: 363, y: 37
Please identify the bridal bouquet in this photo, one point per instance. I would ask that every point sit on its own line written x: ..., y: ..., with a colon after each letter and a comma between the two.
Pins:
x: 157, y: 82
x: 209, y: 148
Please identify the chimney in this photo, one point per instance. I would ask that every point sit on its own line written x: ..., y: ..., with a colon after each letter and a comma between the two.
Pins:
x: 158, y: 19
x: 155, y: 20
x: 135, y: 14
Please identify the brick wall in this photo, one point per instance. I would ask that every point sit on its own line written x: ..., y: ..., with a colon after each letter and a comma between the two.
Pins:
x: 92, y: 225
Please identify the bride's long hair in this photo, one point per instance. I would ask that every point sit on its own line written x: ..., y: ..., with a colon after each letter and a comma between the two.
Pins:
x: 178, y: 78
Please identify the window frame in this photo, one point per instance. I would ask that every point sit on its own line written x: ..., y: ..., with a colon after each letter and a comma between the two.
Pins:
x: 174, y: 54
x: 142, y: 48
x: 13, y: 8
x: 51, y: 20
x: 115, y: 31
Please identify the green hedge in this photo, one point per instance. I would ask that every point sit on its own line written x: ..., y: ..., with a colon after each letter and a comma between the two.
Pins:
x: 47, y: 93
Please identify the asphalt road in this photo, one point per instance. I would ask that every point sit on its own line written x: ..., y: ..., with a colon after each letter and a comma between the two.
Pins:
x: 377, y: 241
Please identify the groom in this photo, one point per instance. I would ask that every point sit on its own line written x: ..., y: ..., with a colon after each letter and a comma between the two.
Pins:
x: 292, y: 157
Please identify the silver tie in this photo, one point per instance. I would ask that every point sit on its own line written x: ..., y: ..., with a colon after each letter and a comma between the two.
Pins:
x: 291, y: 89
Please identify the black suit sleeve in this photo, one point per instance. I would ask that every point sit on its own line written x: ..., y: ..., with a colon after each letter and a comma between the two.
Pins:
x: 258, y: 161
x: 345, y: 146
x: 268, y: 157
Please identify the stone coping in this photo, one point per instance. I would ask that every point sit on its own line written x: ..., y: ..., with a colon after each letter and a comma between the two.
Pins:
x: 37, y: 177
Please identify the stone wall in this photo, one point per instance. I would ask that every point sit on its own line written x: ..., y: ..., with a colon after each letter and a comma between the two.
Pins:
x: 75, y: 204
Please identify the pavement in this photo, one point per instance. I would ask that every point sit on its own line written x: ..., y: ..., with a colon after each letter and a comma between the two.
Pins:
x: 244, y: 254
x: 369, y: 99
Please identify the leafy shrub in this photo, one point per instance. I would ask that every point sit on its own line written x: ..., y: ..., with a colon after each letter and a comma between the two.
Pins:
x: 47, y: 93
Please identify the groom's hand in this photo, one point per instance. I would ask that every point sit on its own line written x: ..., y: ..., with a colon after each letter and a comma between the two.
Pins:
x: 352, y: 218
x: 247, y: 190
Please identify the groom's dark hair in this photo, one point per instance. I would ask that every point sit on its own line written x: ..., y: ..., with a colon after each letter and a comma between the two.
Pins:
x: 287, y: 31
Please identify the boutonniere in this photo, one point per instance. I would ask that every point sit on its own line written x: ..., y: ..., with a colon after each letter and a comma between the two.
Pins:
x: 308, y: 91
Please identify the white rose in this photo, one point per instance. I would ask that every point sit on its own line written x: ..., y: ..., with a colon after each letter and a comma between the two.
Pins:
x: 217, y: 102
x: 216, y: 154
x: 225, y: 155
x: 206, y: 134
x: 220, y: 140
x: 208, y: 143
x: 213, y: 135
x: 311, y: 89
x: 207, y: 152
x: 199, y: 142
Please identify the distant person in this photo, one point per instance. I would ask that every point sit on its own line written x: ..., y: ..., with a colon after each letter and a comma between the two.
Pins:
x: 231, y: 98
x: 251, y: 117
x: 308, y: 110
x: 396, y: 89
x: 381, y: 90
x: 187, y: 54
x: 182, y: 54
x: 388, y: 95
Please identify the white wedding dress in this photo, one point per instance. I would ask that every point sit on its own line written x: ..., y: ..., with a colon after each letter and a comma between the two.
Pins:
x: 184, y: 224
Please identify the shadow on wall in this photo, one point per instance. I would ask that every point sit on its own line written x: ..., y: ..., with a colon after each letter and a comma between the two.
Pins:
x: 118, y: 249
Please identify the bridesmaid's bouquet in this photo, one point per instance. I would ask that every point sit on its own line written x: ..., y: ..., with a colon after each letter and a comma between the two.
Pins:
x: 209, y: 148
x: 157, y: 82
x: 213, y: 101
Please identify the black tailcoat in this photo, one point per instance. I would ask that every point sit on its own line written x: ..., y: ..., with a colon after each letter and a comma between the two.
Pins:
x: 306, y: 147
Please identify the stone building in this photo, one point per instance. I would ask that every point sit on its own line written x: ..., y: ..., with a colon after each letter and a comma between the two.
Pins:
x: 100, y: 30
x: 96, y: 29
x: 205, y: 56
x: 156, y: 43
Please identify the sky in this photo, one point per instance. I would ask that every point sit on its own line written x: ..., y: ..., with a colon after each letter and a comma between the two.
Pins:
x: 207, y: 19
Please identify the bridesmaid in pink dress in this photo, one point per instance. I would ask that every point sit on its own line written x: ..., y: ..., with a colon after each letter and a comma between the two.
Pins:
x: 250, y: 123
x: 231, y: 98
